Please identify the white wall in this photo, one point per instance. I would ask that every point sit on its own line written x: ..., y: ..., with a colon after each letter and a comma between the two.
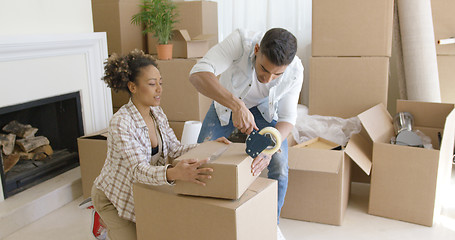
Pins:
x: 45, y: 16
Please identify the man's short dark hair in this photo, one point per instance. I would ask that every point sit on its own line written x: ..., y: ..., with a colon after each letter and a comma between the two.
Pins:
x: 279, y: 46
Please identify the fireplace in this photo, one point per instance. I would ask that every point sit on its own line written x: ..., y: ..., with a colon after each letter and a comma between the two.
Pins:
x: 54, y: 65
x: 59, y: 119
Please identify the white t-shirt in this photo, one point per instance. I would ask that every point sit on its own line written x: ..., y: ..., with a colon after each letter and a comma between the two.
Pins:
x: 258, y: 92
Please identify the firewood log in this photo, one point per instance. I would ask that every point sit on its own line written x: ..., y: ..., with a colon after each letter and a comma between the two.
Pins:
x: 42, y: 152
x: 29, y: 144
x: 7, y: 141
x: 21, y: 130
x: 9, y: 161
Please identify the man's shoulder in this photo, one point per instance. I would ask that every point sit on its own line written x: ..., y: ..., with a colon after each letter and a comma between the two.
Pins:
x: 249, y: 35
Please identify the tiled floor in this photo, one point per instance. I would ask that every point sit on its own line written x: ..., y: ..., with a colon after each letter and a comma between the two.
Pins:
x: 69, y: 222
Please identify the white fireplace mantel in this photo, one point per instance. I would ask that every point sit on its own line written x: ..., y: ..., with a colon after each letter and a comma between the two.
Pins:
x: 33, y: 67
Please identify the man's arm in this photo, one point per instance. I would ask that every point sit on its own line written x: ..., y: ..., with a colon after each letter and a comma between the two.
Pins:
x: 284, y: 128
x: 216, y: 61
x: 207, y: 84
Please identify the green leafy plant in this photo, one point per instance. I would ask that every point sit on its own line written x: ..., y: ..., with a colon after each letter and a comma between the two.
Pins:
x: 158, y: 18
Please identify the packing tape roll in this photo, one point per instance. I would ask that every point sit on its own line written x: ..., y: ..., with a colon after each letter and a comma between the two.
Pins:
x: 275, y: 134
x: 191, y: 131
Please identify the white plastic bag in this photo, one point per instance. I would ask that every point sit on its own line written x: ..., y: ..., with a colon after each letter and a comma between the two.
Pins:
x: 335, y: 129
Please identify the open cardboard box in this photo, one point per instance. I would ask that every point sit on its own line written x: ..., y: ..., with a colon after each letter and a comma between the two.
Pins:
x: 92, y: 154
x: 231, y: 175
x: 318, y: 186
x: 162, y: 214
x: 407, y: 183
x: 186, y: 47
x: 319, y: 143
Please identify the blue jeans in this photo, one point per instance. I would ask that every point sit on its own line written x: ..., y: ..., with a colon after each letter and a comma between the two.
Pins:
x: 278, y: 167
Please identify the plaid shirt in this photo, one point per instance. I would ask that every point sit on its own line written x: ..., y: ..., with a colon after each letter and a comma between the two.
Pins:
x: 129, y: 157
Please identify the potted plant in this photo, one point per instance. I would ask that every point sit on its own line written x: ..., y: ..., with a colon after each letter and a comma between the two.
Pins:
x: 158, y: 18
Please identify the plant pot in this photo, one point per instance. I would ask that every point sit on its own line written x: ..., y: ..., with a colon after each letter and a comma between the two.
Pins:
x: 164, y: 51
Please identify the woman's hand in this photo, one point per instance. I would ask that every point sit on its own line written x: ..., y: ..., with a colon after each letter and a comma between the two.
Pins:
x: 223, y: 140
x: 188, y: 170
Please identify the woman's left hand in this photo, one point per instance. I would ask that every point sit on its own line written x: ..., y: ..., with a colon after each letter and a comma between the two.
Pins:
x: 223, y: 140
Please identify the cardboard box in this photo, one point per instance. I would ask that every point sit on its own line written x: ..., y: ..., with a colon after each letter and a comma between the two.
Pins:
x: 92, y: 154
x: 178, y: 128
x: 186, y: 47
x: 114, y: 17
x: 161, y: 214
x: 231, y: 175
x: 180, y: 100
x: 443, y: 19
x: 119, y: 98
x: 346, y: 86
x: 352, y: 28
x: 407, y: 182
x: 318, y: 186
x: 447, y: 78
x: 198, y: 18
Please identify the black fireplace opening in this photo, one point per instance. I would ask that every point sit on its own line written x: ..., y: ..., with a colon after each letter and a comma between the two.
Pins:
x: 59, y: 119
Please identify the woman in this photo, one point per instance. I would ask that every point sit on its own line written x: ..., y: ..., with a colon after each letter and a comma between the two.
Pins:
x: 140, y: 142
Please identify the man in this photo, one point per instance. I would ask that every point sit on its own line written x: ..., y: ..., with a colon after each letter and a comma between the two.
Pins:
x: 259, y: 86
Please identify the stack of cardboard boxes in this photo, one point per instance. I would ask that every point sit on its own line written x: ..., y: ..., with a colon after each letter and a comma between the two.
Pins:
x: 444, y: 29
x: 234, y: 204
x: 196, y: 31
x: 349, y: 77
x: 351, y: 46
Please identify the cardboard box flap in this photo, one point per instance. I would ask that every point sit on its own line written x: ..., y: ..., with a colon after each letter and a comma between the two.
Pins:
x: 378, y: 123
x: 447, y: 143
x: 426, y: 114
x: 315, y: 160
x: 103, y: 133
x: 231, y: 154
x: 205, y: 37
x: 361, y: 152
x: 181, y: 35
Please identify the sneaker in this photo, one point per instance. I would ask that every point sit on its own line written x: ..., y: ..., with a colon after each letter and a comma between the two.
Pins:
x: 86, y: 204
x: 97, y: 229
x: 279, y: 235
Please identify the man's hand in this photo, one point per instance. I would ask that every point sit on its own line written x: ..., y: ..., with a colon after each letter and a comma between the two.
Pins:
x: 243, y: 119
x: 259, y: 163
x: 223, y: 140
x: 188, y: 170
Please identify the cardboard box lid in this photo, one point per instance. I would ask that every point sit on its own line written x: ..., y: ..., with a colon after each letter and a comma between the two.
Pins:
x: 316, y: 160
x: 227, y: 154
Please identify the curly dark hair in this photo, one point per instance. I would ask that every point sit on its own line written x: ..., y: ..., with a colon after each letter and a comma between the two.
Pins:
x: 279, y: 46
x: 119, y: 70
